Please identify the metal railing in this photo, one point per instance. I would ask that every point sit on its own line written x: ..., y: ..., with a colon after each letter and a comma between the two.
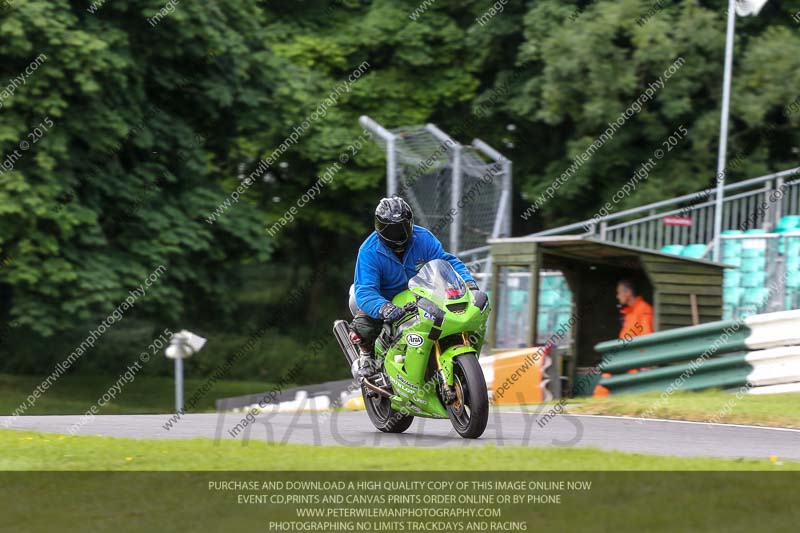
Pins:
x: 756, y: 203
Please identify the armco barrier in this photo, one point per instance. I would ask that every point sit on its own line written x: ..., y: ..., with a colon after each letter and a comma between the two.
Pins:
x: 759, y: 351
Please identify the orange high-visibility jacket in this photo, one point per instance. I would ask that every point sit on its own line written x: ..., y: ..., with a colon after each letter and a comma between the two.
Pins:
x: 638, y: 319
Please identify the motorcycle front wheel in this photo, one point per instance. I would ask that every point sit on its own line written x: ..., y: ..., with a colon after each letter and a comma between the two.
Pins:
x: 470, y: 412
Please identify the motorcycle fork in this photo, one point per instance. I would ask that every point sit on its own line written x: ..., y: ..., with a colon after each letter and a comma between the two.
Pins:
x: 449, y: 393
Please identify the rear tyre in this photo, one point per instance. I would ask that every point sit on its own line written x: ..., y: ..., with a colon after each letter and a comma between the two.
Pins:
x: 470, y: 412
x: 381, y: 414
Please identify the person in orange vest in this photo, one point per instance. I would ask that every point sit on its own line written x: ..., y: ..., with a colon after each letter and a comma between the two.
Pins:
x: 637, y: 315
x: 637, y: 320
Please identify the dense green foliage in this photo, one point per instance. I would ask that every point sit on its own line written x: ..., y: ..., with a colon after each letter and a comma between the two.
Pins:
x: 142, y: 122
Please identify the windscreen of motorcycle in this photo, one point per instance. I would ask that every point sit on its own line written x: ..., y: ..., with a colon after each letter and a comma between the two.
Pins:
x: 438, y: 282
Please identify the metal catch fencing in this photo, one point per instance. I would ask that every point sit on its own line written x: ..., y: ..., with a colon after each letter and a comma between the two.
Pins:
x: 462, y: 193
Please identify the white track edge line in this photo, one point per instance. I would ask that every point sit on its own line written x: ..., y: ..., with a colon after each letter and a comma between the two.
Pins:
x: 618, y: 417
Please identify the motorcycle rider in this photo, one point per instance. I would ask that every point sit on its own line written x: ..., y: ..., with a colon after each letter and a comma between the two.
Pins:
x: 387, y: 259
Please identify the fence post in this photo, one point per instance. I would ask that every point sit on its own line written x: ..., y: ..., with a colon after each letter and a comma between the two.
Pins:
x: 391, y: 168
x: 508, y: 191
x: 391, y: 156
x: 455, y: 223
x: 778, y: 213
x: 503, y: 216
x: 766, y: 220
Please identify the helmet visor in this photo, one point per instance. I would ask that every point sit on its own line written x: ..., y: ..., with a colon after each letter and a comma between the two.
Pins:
x: 395, y: 234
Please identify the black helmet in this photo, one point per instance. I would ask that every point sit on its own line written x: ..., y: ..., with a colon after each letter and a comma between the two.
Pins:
x: 394, y: 222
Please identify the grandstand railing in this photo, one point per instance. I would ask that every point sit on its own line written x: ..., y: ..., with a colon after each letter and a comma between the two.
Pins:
x: 756, y: 203
x: 765, y: 256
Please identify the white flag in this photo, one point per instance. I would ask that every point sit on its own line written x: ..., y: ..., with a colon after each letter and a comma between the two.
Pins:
x: 745, y: 8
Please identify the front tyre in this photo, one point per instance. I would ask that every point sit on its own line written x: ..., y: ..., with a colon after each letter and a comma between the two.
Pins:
x: 381, y: 414
x: 470, y: 412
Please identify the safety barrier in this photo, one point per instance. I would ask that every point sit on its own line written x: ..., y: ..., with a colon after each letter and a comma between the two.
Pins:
x: 761, y: 352
x: 518, y: 376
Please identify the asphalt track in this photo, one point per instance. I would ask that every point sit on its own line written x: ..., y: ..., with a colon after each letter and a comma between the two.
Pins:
x: 651, y: 436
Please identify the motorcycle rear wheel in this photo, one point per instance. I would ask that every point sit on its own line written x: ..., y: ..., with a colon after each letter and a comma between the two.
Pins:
x: 382, y: 415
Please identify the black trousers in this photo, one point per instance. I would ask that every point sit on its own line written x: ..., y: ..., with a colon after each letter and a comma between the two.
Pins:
x: 365, y: 326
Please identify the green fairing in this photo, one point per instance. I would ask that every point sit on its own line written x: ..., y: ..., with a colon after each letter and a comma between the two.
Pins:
x: 407, y: 377
x: 428, y: 359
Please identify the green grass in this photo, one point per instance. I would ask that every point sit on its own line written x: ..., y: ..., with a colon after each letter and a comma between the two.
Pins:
x: 24, y: 450
x: 778, y: 410
x: 146, y: 394
x: 131, y: 497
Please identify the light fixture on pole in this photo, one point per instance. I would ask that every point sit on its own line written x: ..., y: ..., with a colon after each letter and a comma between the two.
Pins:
x: 743, y: 8
x: 182, y: 345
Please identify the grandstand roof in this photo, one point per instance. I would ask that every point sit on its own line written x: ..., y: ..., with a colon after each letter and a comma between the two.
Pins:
x: 682, y: 290
x: 587, y: 248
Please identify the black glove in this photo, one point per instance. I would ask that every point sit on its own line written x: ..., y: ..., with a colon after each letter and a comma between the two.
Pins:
x: 480, y: 297
x: 390, y: 313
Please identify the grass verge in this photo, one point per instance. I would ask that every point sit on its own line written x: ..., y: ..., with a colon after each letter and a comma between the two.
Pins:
x: 25, y: 450
x: 72, y: 395
x: 775, y: 410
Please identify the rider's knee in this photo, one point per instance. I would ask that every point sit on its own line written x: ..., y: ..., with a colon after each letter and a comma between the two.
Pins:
x: 366, y: 327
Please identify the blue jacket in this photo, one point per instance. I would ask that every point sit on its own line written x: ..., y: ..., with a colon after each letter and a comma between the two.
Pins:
x: 380, y: 275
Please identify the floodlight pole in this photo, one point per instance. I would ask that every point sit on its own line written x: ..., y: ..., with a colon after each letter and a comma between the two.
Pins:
x: 723, y: 129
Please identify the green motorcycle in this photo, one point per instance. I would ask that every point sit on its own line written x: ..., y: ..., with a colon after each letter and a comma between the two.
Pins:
x: 428, y: 358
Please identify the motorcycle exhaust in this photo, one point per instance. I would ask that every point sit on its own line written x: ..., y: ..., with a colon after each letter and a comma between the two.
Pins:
x: 371, y: 386
x: 342, y: 333
x: 341, y: 330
